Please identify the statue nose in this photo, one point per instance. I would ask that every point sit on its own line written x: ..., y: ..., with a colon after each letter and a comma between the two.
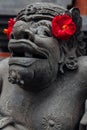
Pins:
x: 20, y: 31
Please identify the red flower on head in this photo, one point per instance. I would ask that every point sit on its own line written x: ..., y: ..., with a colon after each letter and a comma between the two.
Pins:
x: 8, y: 30
x: 63, y: 27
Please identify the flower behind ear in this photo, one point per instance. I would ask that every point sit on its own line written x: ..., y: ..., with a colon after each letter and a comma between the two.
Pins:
x: 63, y: 27
x: 8, y: 30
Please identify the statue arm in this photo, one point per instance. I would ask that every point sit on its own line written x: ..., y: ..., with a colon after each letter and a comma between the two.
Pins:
x: 6, y: 122
x: 10, y: 127
x: 3, y: 71
x: 1, y: 80
x: 83, y: 122
x: 0, y: 85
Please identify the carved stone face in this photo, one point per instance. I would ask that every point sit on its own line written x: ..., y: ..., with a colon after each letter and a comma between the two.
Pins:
x: 35, y: 54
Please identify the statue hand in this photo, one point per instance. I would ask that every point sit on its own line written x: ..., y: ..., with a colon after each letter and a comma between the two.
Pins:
x: 10, y: 128
x: 20, y: 127
x: 16, y: 127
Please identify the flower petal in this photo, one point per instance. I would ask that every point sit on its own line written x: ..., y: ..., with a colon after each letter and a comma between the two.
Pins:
x: 63, y: 27
x: 11, y: 23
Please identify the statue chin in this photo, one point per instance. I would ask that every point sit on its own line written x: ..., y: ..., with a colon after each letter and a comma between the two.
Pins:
x: 20, y: 75
x: 32, y: 77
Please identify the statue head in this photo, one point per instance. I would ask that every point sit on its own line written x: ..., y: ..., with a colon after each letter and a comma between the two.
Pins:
x: 37, y: 55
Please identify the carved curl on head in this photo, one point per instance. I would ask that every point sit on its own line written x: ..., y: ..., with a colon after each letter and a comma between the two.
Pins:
x: 70, y: 49
x: 39, y: 11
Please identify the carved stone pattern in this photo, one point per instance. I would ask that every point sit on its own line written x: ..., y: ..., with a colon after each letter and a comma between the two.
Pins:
x: 51, y: 123
x: 30, y: 10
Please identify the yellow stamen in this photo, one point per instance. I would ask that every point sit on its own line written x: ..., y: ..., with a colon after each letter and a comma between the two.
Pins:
x: 64, y: 27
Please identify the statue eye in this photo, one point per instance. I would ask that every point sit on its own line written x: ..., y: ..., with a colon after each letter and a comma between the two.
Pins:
x: 43, y: 31
x: 42, y: 28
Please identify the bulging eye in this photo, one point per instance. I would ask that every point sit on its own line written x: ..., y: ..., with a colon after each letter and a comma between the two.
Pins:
x: 43, y: 31
x: 47, y: 32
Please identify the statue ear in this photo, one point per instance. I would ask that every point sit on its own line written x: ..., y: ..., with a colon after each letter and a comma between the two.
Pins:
x: 68, y: 57
x: 75, y: 13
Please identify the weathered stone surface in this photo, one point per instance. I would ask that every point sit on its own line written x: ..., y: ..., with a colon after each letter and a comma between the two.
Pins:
x: 44, y: 83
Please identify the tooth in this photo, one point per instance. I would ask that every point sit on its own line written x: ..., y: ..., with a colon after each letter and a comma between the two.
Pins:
x: 22, y: 82
x: 28, y: 54
x: 13, y: 73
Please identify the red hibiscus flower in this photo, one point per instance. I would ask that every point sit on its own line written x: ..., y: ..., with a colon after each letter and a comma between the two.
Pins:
x: 63, y: 27
x: 8, y: 30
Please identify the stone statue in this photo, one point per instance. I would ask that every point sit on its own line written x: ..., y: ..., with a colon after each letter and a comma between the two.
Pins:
x: 44, y: 83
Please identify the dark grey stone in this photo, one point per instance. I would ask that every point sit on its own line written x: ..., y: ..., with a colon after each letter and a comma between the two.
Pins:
x: 44, y: 83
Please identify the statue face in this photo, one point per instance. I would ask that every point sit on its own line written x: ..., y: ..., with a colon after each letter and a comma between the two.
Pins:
x: 35, y: 54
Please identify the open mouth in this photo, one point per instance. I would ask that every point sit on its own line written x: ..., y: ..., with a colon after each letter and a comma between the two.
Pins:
x: 27, y: 50
x: 26, y: 54
x: 24, y: 48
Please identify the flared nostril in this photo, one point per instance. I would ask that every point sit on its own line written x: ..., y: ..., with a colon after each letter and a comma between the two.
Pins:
x: 12, y: 36
x: 29, y: 35
x: 26, y: 35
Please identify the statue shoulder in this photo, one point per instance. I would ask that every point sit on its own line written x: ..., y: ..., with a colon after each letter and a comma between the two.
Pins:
x: 82, y: 62
x: 83, y: 122
x: 3, y: 66
x: 3, y: 70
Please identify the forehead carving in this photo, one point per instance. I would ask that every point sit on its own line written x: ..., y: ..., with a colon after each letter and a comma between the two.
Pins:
x: 40, y: 11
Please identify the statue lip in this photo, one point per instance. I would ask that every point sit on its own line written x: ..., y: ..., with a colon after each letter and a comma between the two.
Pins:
x: 27, y: 49
x: 25, y: 62
x: 25, y: 52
